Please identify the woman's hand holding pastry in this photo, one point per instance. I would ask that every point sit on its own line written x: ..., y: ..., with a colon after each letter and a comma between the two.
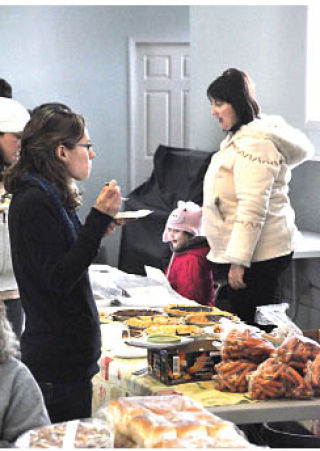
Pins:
x: 109, y: 199
x: 235, y: 277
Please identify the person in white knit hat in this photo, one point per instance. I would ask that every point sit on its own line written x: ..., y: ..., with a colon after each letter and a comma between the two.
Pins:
x: 13, y: 118
x: 189, y: 272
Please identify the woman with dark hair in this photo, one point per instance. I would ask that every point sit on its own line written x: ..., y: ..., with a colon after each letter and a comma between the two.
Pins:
x: 52, y: 251
x: 248, y: 219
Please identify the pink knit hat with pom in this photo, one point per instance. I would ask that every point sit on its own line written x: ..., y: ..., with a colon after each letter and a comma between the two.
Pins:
x: 187, y: 218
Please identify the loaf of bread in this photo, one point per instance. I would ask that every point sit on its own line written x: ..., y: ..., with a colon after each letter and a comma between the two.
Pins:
x: 171, y: 421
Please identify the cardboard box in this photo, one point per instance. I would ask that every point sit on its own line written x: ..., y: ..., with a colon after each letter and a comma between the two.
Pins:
x: 312, y: 333
x: 188, y: 363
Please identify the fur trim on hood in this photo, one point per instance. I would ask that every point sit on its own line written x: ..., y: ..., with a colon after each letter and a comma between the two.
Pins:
x: 289, y: 141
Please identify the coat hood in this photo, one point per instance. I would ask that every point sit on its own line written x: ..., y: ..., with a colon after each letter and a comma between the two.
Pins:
x: 289, y: 141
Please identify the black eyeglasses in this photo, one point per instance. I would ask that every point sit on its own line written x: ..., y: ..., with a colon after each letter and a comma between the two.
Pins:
x: 86, y: 146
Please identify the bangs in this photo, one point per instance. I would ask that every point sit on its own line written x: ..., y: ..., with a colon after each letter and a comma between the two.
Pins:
x: 219, y: 90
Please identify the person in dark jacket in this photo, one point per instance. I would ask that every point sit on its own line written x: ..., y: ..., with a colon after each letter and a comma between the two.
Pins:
x: 52, y: 251
x: 189, y: 272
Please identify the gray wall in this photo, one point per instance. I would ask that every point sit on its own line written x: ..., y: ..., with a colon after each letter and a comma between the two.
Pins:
x: 268, y: 42
x: 79, y: 55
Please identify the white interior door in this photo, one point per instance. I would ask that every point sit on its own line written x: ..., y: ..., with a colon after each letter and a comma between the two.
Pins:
x: 159, y: 113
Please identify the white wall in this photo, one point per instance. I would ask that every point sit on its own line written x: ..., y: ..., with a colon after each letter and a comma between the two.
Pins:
x: 268, y: 42
x: 79, y: 55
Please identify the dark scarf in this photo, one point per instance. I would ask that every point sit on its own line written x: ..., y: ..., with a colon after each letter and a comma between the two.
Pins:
x: 70, y: 218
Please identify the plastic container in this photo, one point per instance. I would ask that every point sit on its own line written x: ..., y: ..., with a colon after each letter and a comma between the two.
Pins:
x: 288, y: 434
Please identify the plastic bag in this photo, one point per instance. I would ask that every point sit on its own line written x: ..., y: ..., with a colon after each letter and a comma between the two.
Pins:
x: 115, y: 287
x: 275, y: 314
x: 313, y: 374
x: 169, y: 421
x: 243, y: 342
x: 275, y: 379
x: 232, y: 375
x: 297, y: 350
x: 89, y: 433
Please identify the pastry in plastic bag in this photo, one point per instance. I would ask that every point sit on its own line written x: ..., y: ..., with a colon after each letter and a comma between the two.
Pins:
x: 69, y: 434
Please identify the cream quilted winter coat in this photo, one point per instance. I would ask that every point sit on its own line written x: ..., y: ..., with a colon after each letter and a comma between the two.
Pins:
x: 246, y: 208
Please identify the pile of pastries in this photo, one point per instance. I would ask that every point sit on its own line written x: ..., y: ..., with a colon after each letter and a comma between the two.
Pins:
x: 171, y: 421
x: 180, y: 320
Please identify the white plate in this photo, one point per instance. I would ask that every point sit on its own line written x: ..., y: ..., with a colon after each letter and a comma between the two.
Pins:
x: 143, y: 343
x: 133, y: 214
x: 129, y: 352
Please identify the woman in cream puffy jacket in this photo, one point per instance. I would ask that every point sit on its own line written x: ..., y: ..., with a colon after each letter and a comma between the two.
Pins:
x: 248, y: 219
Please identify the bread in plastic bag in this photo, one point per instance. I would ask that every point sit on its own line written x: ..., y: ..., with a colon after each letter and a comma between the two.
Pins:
x: 168, y: 421
x: 69, y: 434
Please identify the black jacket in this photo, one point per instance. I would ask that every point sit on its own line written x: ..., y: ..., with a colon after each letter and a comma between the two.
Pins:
x: 51, y: 252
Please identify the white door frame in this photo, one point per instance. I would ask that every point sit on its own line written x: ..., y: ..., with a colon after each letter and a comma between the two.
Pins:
x: 132, y: 76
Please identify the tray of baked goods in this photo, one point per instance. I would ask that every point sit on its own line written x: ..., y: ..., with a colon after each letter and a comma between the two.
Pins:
x: 107, y: 314
x: 196, y: 310
x: 164, y: 330
x: 125, y: 314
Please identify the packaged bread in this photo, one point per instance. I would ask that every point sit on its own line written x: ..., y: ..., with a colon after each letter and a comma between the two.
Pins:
x: 70, y: 434
x: 167, y: 421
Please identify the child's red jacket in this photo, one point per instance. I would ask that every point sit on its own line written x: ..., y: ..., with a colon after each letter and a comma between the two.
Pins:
x: 191, y: 274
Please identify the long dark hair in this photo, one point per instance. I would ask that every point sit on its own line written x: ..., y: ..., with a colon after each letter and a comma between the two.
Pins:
x: 51, y: 125
x: 236, y: 88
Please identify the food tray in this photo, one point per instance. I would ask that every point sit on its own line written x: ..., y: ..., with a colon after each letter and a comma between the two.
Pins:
x: 186, y: 310
x: 143, y: 343
x: 122, y: 315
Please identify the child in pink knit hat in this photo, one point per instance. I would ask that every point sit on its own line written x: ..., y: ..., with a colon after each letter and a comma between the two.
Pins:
x: 189, y: 272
